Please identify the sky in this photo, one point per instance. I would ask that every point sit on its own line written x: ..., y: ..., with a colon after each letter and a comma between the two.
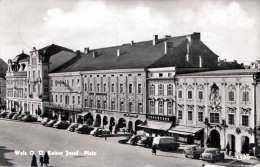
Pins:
x: 230, y: 28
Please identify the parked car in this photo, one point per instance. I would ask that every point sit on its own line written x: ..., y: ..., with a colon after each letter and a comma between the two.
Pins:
x: 50, y: 123
x: 72, y: 127
x: 15, y: 116
x: 101, y: 132
x: 20, y: 116
x: 29, y: 118
x: 84, y: 129
x: 134, y: 139
x: 212, y: 154
x: 193, y: 151
x: 146, y: 141
x: 45, y: 121
x: 61, y: 125
x: 10, y: 115
x: 165, y: 143
x: 3, y: 114
x: 94, y: 131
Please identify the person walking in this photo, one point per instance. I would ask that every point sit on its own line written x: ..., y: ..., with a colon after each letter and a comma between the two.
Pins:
x: 154, y: 150
x: 34, y: 161
x: 41, y: 160
x: 227, y: 149
x: 46, y: 159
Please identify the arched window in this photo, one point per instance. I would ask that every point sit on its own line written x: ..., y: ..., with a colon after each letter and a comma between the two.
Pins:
x: 169, y: 90
x: 161, y: 90
x: 160, y: 107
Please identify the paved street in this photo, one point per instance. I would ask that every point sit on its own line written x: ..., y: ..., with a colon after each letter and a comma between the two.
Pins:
x: 34, y: 137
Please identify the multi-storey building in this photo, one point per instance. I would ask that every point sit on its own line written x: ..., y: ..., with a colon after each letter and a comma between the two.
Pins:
x: 114, y: 79
x: 223, y: 103
x: 27, y: 78
x: 2, y: 91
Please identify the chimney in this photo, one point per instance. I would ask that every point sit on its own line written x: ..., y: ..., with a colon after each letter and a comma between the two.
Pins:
x: 165, y: 47
x: 86, y: 50
x: 94, y: 54
x: 132, y: 43
x: 200, y: 61
x: 118, y: 52
x: 155, y: 39
x: 195, y: 36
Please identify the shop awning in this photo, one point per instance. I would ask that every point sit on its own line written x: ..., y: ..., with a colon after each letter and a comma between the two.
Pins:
x: 157, y: 125
x: 83, y: 114
x: 185, y: 130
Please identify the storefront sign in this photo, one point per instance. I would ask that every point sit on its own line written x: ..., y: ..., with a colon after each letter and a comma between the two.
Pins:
x: 131, y: 115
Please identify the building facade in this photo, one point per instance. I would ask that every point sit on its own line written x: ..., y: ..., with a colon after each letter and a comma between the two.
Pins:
x: 2, y: 91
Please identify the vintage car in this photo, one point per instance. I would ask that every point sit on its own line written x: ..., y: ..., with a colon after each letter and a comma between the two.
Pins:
x: 166, y: 143
x: 4, y: 114
x: 45, y: 121
x: 50, y: 123
x: 10, y: 115
x: 146, y: 141
x: 193, y: 151
x: 84, y: 129
x: 61, y: 125
x: 212, y: 154
x: 101, y: 132
x: 15, y: 116
x: 20, y: 116
x: 134, y: 139
x: 73, y: 126
x: 29, y: 118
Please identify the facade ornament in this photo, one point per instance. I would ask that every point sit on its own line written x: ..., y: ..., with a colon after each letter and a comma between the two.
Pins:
x: 244, y: 110
x: 238, y: 130
x: 215, y: 98
x: 231, y: 109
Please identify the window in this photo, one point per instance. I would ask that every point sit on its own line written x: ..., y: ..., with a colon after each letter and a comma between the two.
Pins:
x: 78, y: 99
x: 121, y: 106
x: 121, y: 89
x: 130, y: 89
x: 200, y: 116
x: 231, y: 119
x: 179, y: 114
x: 91, y: 103
x: 113, y: 105
x: 200, y: 95
x: 180, y: 94
x: 245, y: 96
x: 231, y: 96
x: 85, y: 86
x: 73, y: 99
x: 161, y: 90
x: 140, y: 107
x: 104, y: 87
x: 214, y: 117
x: 131, y: 107
x: 72, y: 82
x: 169, y: 90
x: 169, y: 108
x: 98, y: 87
x: 152, y: 90
x: 86, y: 102
x: 189, y: 94
x: 160, y: 75
x: 104, y: 104
x: 139, y: 90
x: 152, y: 108
x: 189, y: 115
x: 245, y: 120
x: 160, y: 105
x: 60, y: 98
x: 90, y: 87
x: 56, y: 98
x: 98, y: 104
x: 113, y: 88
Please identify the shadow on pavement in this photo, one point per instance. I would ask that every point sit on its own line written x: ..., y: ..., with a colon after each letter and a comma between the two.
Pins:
x: 170, y: 156
x: 4, y: 161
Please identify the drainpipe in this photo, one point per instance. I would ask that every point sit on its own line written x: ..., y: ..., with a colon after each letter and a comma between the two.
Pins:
x: 255, y: 83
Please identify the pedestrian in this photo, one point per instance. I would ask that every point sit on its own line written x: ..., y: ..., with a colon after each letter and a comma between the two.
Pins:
x: 34, y: 161
x: 41, y: 160
x: 154, y: 149
x: 46, y: 159
x: 227, y: 149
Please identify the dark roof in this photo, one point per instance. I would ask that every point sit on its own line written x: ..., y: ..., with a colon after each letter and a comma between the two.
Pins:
x: 52, y: 49
x: 225, y: 72
x: 3, y: 67
x: 21, y: 57
x: 61, y: 58
x: 138, y: 55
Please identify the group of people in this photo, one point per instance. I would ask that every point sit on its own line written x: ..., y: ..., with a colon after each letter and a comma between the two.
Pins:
x: 44, y: 160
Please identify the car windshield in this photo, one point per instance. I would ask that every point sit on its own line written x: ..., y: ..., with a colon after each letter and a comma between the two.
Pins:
x: 210, y: 151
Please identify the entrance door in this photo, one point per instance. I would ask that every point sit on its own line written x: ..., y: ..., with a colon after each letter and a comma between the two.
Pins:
x: 214, y: 139
x: 245, y: 145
